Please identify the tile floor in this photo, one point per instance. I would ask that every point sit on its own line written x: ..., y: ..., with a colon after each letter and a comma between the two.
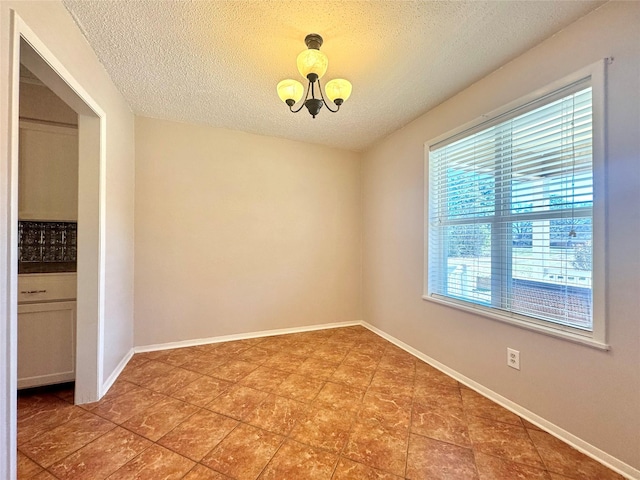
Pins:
x: 341, y: 404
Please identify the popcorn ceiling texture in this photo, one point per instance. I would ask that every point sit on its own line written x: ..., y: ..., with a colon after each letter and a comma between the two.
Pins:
x: 218, y: 62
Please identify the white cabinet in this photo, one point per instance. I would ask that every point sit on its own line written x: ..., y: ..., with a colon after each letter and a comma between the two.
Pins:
x: 48, y: 172
x: 46, y: 329
x: 46, y: 343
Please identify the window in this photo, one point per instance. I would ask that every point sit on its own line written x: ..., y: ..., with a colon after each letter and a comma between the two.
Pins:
x: 512, y: 222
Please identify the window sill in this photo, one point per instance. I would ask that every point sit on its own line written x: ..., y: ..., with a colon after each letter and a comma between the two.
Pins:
x: 550, y: 331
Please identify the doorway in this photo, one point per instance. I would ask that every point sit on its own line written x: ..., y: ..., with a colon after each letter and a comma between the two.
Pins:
x: 47, y: 235
x: 88, y: 365
x: 28, y: 49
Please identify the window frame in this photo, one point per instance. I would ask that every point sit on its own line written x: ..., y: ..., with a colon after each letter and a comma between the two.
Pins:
x: 597, y: 337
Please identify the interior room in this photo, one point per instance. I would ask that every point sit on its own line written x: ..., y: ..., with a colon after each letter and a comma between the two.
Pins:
x: 416, y: 260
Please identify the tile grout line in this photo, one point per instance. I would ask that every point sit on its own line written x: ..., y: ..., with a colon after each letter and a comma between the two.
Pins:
x: 546, y: 467
x: 354, y: 420
x: 413, y: 397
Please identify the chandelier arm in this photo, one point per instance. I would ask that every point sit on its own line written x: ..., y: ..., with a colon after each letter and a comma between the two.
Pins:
x: 325, y: 102
x: 302, y: 104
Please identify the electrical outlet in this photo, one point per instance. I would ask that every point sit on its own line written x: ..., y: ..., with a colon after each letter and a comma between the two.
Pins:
x: 513, y: 358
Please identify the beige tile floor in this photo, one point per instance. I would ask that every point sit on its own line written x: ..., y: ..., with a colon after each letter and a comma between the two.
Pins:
x: 341, y: 404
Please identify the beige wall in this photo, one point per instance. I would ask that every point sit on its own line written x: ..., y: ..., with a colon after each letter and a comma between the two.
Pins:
x: 240, y: 233
x: 51, y: 22
x: 592, y: 394
x: 37, y: 102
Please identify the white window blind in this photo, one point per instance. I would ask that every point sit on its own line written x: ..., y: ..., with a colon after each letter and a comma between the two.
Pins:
x: 510, y: 214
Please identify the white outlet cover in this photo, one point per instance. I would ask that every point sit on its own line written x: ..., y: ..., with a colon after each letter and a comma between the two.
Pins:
x: 513, y: 358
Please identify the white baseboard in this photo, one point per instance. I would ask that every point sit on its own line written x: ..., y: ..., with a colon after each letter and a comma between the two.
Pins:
x: 106, y: 385
x: 242, y: 336
x: 598, y: 455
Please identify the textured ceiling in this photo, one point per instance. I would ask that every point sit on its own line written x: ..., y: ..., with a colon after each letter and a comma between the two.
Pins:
x: 218, y: 62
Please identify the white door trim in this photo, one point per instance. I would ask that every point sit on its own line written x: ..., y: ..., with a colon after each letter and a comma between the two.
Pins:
x: 27, y: 46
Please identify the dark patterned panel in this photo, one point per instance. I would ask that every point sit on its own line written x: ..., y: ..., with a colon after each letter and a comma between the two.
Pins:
x: 47, y: 242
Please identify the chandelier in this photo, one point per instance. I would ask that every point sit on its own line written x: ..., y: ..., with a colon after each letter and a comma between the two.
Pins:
x: 312, y: 65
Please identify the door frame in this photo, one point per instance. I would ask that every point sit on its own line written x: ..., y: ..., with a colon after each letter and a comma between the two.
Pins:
x: 26, y: 47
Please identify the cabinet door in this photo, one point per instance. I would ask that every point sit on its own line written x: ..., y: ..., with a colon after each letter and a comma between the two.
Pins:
x: 48, y: 172
x: 46, y: 343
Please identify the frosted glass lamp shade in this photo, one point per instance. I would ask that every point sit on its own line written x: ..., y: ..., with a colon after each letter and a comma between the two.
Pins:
x: 290, y: 90
x: 338, y: 89
x: 312, y: 61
